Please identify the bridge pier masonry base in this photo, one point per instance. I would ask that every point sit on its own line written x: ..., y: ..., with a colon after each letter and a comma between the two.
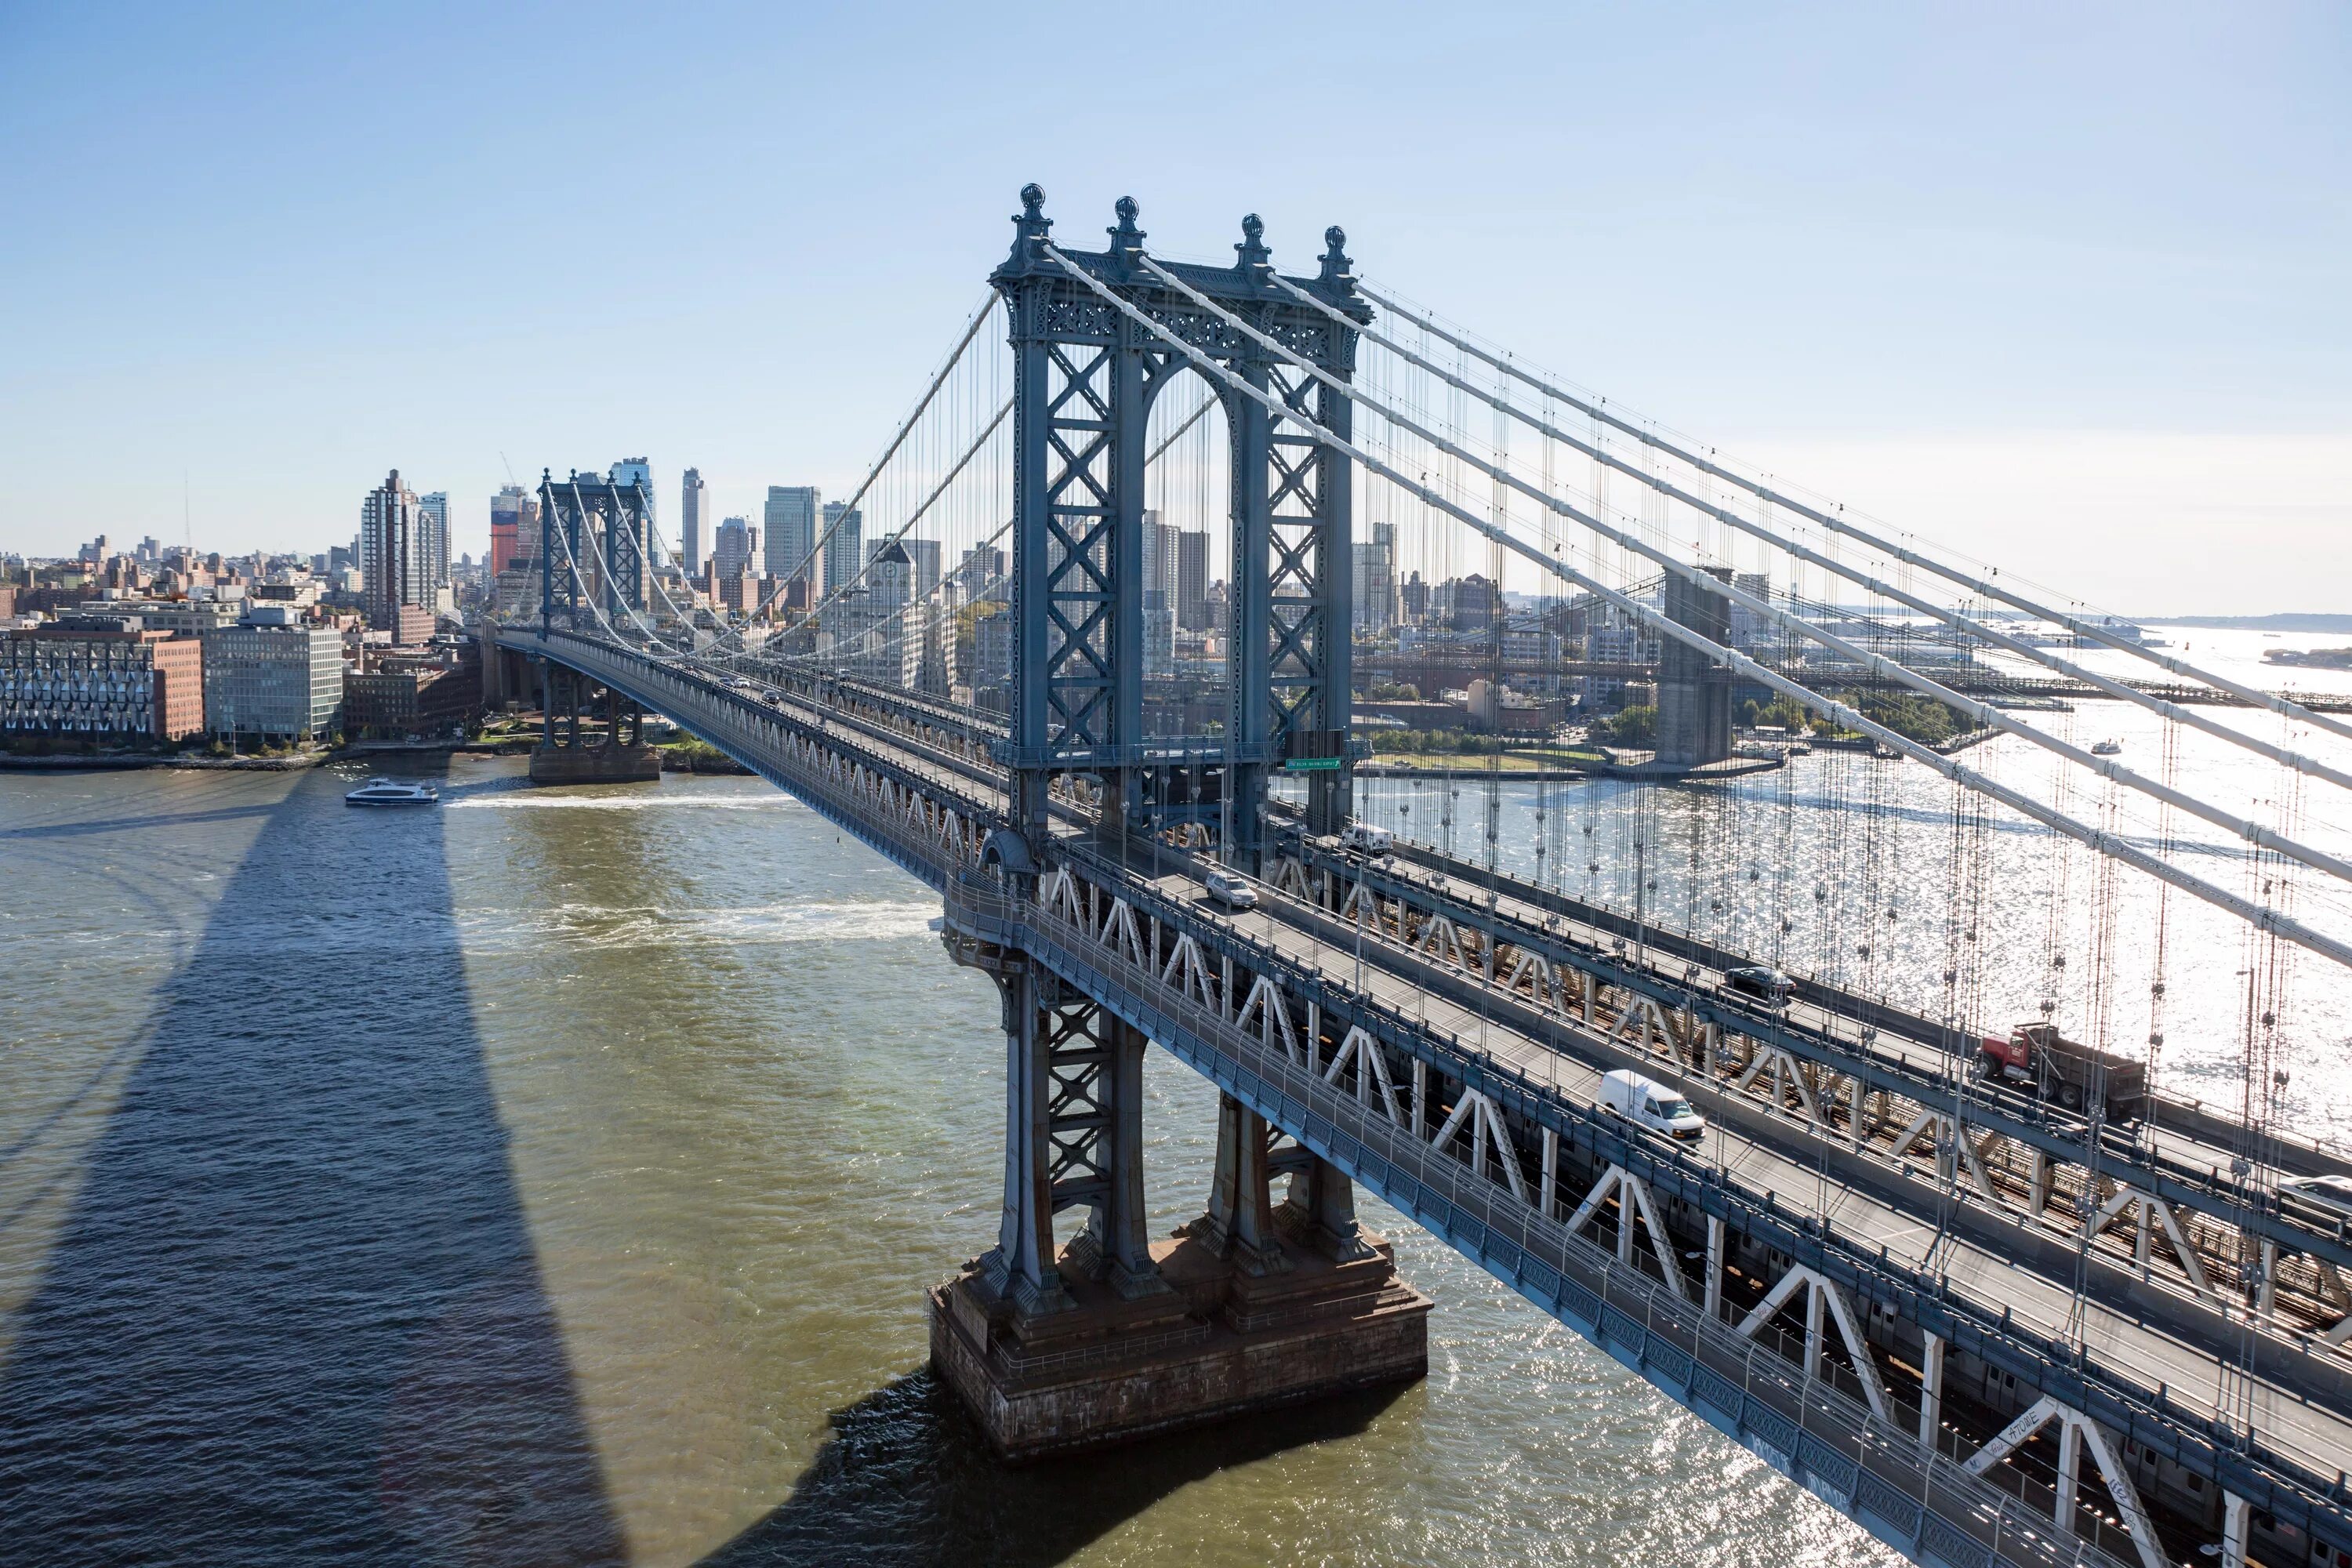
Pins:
x: 563, y: 755
x: 1114, y: 1336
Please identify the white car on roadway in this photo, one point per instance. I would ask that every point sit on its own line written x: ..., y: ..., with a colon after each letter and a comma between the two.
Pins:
x: 1230, y: 889
x: 1363, y: 835
x: 1651, y: 1105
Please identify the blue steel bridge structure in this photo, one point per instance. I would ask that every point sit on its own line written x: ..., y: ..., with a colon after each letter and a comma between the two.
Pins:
x: 1992, y: 1327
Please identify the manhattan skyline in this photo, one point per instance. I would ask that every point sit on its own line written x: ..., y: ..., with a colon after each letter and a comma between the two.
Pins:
x: 2059, y: 287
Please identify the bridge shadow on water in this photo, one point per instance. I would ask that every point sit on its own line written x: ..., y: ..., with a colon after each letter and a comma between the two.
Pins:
x: 294, y: 1314
x: 905, y: 1477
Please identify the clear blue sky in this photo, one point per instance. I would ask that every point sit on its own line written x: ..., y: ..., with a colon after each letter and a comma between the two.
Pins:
x: 2067, y: 284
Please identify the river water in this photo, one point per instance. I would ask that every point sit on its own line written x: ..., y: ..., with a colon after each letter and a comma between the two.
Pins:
x: 554, y: 1178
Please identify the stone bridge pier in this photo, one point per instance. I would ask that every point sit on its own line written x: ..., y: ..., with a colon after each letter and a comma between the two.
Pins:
x: 1061, y: 1344
x: 570, y: 752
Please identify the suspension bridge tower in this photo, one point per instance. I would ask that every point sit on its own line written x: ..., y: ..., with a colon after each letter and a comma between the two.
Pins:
x: 1259, y: 1302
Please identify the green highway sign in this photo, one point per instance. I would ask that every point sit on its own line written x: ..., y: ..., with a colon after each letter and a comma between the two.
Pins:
x: 1311, y: 765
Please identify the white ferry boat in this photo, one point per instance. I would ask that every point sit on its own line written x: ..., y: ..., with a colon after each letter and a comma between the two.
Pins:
x: 392, y: 792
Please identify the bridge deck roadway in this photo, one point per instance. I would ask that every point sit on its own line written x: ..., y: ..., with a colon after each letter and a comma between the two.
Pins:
x: 2183, y: 1131
x: 2199, y: 1137
x: 2180, y: 1145
x: 2196, y: 1171
x: 1757, y: 1154
x: 1908, y: 1232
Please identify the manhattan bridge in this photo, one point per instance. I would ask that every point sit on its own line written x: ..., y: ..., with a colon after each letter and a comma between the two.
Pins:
x: 1995, y: 1319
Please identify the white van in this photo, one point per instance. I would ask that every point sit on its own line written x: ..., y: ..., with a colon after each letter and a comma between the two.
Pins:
x: 1651, y: 1105
x: 1372, y: 840
x: 1230, y: 889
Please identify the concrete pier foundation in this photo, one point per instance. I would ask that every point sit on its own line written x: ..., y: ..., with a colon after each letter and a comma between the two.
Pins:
x: 1114, y: 1336
x: 593, y: 764
x: 1222, y: 1342
x: 571, y: 750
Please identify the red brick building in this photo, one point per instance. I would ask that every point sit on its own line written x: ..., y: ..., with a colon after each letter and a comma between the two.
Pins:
x: 102, y: 684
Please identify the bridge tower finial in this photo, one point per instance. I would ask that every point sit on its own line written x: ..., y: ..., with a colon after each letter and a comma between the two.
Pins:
x: 1254, y: 257
x: 1334, y: 274
x: 1125, y: 239
x: 1029, y: 226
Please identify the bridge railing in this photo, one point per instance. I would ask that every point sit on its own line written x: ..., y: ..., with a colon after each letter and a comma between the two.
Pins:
x: 1807, y: 1427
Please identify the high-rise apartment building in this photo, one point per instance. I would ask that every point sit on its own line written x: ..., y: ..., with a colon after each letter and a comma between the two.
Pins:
x: 924, y: 554
x: 1192, y: 606
x: 1374, y: 581
x: 634, y: 471
x: 792, y: 521
x: 693, y: 517
x: 435, y: 511
x: 1160, y: 547
x: 732, y: 548
x: 398, y: 547
x: 844, y: 548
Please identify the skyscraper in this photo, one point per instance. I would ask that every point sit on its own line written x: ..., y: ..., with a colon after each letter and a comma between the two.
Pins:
x: 1375, y: 580
x: 434, y: 510
x: 731, y: 549
x: 792, y: 523
x: 925, y: 554
x: 692, y: 518
x: 844, y: 552
x: 394, y: 541
x: 1160, y: 547
x: 1192, y: 604
x: 506, y: 542
x: 981, y: 574
x: 634, y: 471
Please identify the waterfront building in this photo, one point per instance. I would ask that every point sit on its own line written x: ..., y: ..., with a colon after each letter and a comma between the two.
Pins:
x: 101, y: 678
x: 407, y: 693
x: 693, y: 518
x: 792, y: 518
x: 274, y: 676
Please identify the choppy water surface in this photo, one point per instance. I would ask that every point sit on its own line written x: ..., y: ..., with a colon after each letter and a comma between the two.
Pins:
x: 554, y: 1178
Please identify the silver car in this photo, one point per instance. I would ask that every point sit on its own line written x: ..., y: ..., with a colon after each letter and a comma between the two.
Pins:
x: 1230, y: 889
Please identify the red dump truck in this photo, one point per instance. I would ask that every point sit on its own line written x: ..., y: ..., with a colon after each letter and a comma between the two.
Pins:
x: 2036, y: 1057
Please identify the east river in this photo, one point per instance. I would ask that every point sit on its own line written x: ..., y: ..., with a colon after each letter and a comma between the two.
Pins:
x: 554, y: 1178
